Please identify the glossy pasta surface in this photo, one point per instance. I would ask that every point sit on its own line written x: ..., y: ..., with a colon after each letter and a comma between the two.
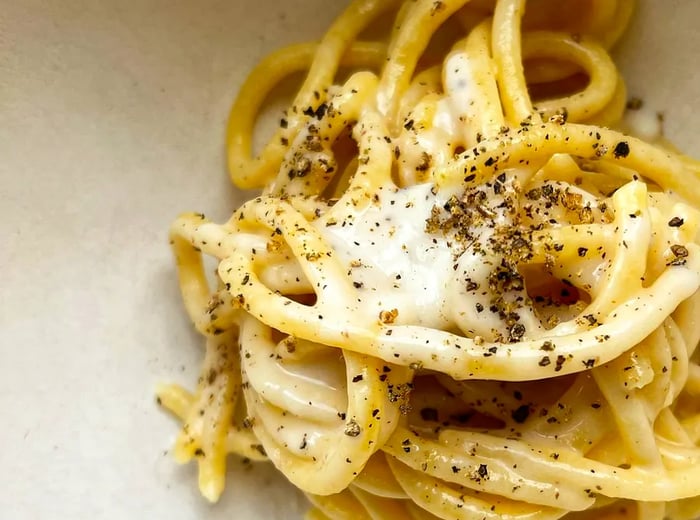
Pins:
x: 464, y: 291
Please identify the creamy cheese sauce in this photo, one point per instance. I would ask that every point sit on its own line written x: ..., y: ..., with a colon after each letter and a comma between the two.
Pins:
x: 392, y: 261
x: 448, y: 127
x: 453, y: 110
x: 429, y: 278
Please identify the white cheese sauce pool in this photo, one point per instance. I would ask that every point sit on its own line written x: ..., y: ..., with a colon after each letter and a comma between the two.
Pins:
x: 395, y: 264
x: 392, y: 261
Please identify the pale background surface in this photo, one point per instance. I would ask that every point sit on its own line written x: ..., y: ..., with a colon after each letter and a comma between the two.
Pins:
x: 111, y: 122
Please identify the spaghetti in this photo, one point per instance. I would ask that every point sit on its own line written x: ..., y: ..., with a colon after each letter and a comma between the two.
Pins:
x: 461, y: 294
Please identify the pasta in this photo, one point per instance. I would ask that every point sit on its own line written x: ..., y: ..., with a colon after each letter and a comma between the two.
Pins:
x: 462, y: 293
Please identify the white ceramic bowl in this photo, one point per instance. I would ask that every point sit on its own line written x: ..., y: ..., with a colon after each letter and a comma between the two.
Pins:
x: 111, y: 122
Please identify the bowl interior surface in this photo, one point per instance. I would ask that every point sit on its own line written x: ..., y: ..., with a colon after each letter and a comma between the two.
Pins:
x: 112, y: 118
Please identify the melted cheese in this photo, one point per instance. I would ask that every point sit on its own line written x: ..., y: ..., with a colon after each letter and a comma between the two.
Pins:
x: 427, y: 277
x: 392, y: 260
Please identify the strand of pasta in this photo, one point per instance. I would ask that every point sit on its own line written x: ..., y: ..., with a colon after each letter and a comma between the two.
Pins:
x: 327, y: 58
x: 310, y: 178
x: 568, y: 472
x: 487, y: 111
x: 207, y: 418
x: 587, y: 55
x: 421, y: 20
x: 447, y: 502
x: 370, y: 418
x: 506, y: 38
x: 376, y: 478
x: 593, y: 143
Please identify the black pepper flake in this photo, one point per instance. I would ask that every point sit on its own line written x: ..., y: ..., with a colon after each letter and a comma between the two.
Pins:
x: 437, y: 6
x: 560, y: 117
x: 483, y: 470
x: 426, y: 159
x: 455, y: 469
x: 521, y: 414
x: 679, y: 251
x: 676, y: 222
x: 591, y: 319
x: 352, y: 429
x: 582, y: 251
x: 544, y: 361
x: 547, y: 346
x: 321, y: 111
x: 516, y: 332
x: 357, y: 378
x: 622, y: 149
x: 534, y: 194
x: 260, y: 449
x: 560, y: 361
